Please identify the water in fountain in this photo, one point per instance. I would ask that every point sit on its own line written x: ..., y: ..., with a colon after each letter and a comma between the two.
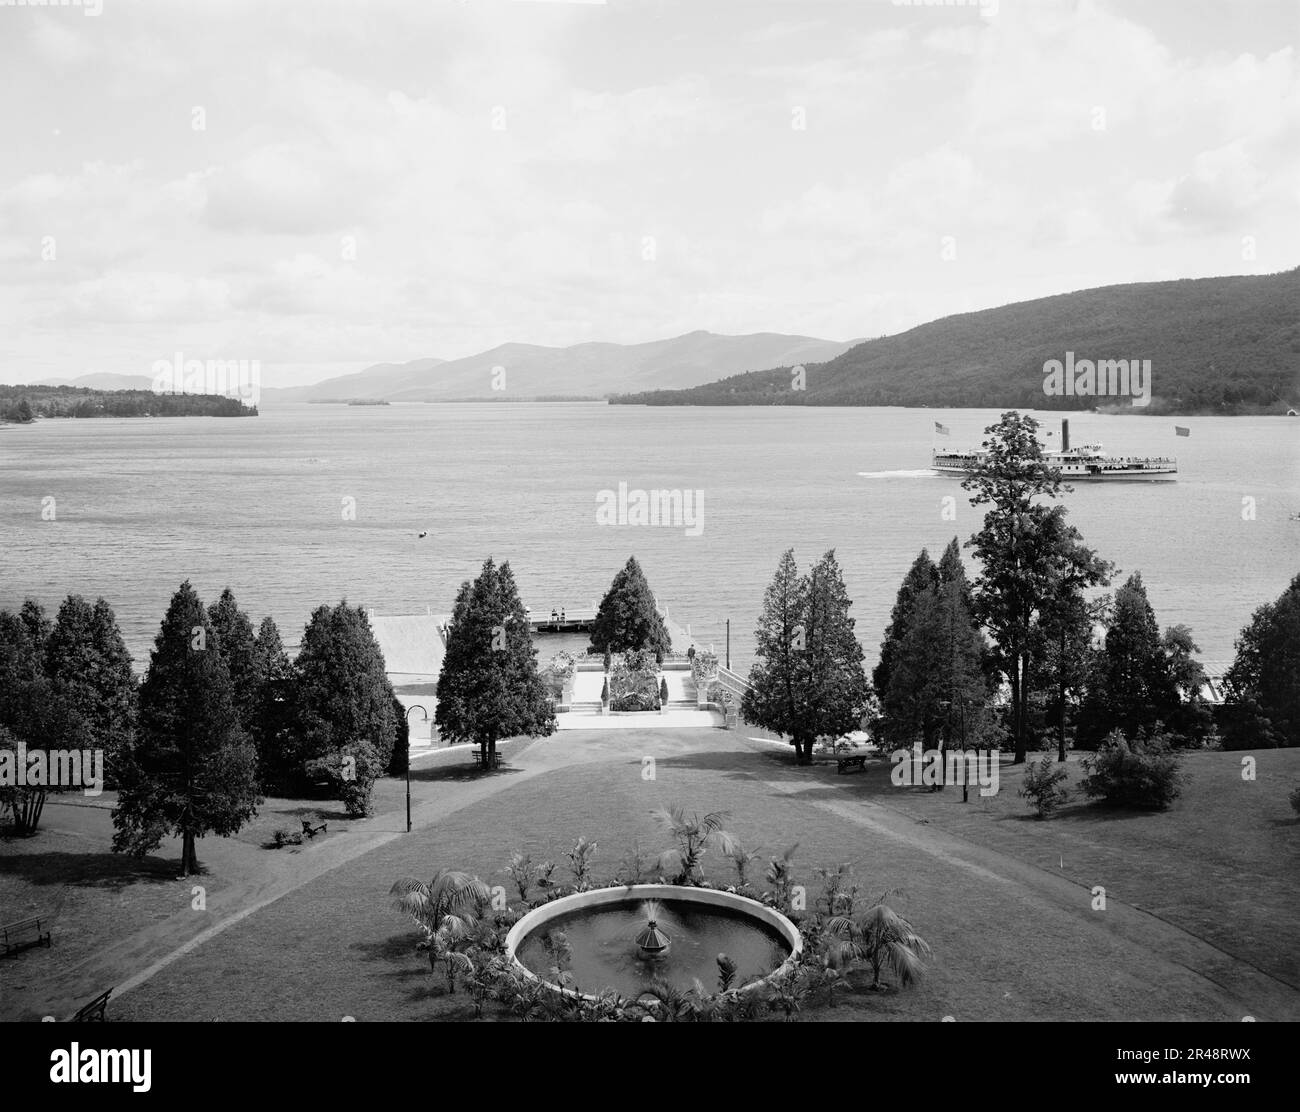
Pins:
x: 604, y: 949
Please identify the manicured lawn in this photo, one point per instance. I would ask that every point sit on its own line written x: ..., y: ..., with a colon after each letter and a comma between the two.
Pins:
x: 1011, y: 940
x: 100, y: 899
x: 1237, y: 891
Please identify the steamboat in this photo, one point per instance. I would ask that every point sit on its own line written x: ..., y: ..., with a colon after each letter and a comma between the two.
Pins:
x: 1086, y: 462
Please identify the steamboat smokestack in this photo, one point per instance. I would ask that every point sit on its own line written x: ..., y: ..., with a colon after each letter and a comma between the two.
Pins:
x: 1065, y: 436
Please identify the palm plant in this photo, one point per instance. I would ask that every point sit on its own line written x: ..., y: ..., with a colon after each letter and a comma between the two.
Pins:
x: 580, y: 862
x: 632, y: 868
x: 694, y: 837
x: 447, y: 910
x: 882, y: 937
x: 779, y: 876
x: 839, y: 894
x: 787, y: 989
x: 741, y: 859
x: 523, y: 872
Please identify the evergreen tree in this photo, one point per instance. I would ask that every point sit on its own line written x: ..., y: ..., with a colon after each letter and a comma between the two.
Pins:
x: 627, y: 618
x: 1263, y: 684
x: 921, y: 578
x: 280, y: 753
x: 235, y: 643
x: 951, y: 569
x: 938, y: 694
x: 489, y: 688
x: 191, y: 771
x: 22, y: 652
x: 1132, y: 688
x: 1026, y: 551
x: 86, y: 658
x: 344, y: 703
x: 807, y: 679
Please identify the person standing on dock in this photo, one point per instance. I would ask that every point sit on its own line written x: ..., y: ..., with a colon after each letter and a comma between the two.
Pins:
x: 690, y: 653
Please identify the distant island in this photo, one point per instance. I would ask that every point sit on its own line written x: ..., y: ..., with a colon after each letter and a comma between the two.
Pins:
x: 368, y: 401
x: 23, y: 404
x: 1216, y: 346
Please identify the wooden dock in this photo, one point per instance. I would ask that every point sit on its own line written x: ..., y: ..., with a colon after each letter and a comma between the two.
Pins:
x: 564, y: 621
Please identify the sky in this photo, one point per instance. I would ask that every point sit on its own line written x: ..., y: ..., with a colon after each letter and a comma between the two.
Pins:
x: 321, y: 186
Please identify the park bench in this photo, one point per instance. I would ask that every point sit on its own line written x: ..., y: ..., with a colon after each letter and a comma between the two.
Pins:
x: 25, y: 932
x: 494, y: 761
x: 94, y: 1011
x: 309, y: 831
x: 843, y: 764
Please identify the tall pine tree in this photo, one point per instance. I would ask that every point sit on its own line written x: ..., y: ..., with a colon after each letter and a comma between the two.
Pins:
x: 86, y: 658
x: 192, y: 770
x: 937, y: 693
x: 279, y: 749
x: 235, y: 643
x: 807, y: 680
x: 627, y: 618
x: 1131, y: 688
x: 489, y: 688
x: 921, y: 578
x: 344, y: 703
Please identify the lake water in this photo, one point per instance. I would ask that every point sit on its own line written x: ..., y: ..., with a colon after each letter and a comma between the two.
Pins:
x: 258, y: 504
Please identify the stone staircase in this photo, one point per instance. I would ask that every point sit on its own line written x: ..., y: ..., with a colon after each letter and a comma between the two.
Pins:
x: 683, y: 709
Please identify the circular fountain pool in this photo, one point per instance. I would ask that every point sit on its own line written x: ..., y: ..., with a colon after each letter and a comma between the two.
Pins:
x: 606, y: 935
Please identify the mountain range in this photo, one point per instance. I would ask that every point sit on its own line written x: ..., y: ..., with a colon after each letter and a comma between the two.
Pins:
x: 592, y: 370
x: 1216, y: 345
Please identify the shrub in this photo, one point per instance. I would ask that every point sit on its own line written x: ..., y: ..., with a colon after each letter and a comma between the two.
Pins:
x: 604, y: 691
x: 1143, y: 774
x: 663, y: 693
x: 1044, y: 786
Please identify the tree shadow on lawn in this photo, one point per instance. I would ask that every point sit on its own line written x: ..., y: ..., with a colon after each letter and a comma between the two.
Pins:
x: 874, y: 780
x: 1087, y: 811
x: 457, y: 773
x: 112, y: 871
x: 303, y: 812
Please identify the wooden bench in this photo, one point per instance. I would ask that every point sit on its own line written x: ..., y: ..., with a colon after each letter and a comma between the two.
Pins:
x: 843, y: 764
x: 309, y: 831
x: 94, y: 1011
x: 494, y: 760
x: 26, y: 932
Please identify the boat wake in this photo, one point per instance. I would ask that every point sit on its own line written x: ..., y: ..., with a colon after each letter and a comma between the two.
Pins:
x: 920, y: 473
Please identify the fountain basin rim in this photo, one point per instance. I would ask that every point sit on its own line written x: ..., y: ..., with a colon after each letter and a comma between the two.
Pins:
x: 666, y: 893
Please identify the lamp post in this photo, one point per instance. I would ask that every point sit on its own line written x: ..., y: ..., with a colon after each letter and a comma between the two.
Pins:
x: 408, y: 759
